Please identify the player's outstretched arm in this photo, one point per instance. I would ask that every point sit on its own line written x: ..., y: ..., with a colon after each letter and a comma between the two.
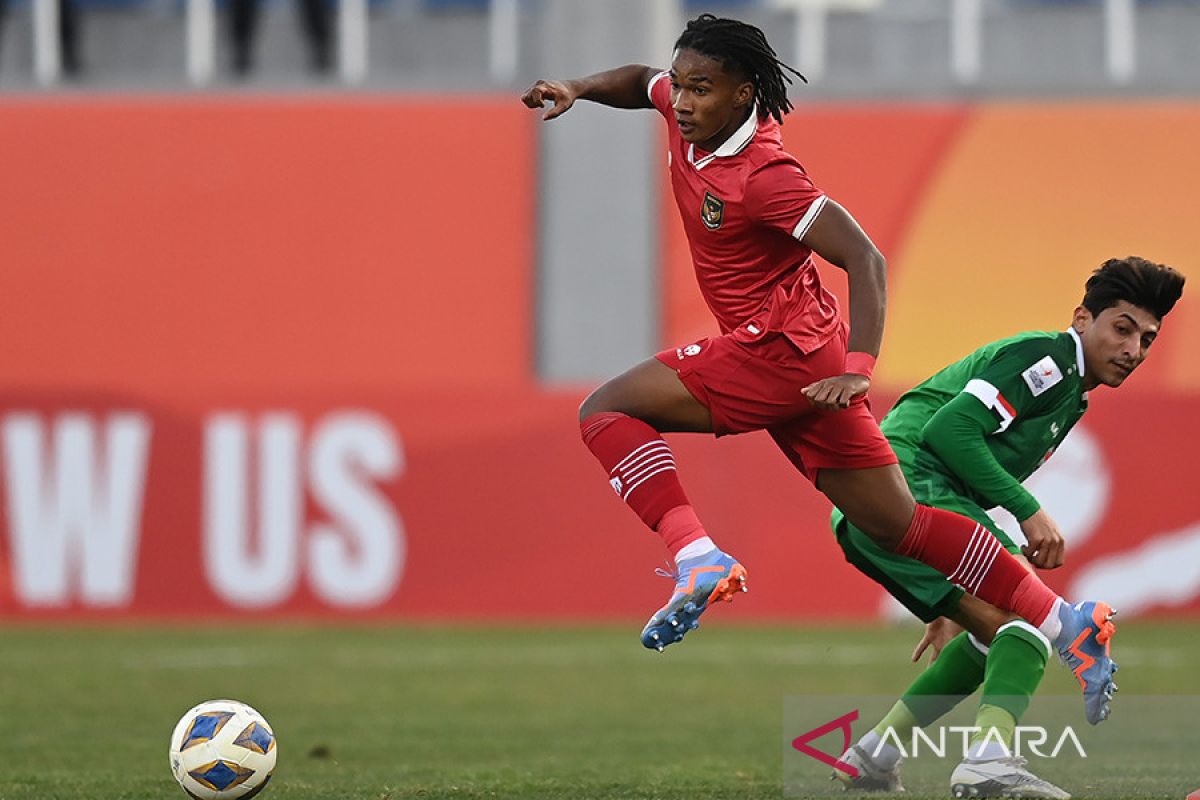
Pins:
x: 623, y: 87
x: 837, y: 238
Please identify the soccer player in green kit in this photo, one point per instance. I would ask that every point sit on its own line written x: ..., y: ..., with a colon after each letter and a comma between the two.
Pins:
x: 966, y: 438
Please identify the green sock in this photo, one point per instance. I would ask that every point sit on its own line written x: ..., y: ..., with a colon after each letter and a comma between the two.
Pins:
x: 995, y: 735
x: 899, y: 719
x: 1015, y: 666
x: 956, y: 674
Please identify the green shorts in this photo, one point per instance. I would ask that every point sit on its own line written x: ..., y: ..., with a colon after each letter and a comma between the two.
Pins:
x: 922, y: 589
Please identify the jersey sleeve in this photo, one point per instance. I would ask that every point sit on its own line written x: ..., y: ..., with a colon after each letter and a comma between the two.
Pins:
x: 781, y: 196
x: 659, y: 91
x: 1020, y: 380
x: 957, y: 435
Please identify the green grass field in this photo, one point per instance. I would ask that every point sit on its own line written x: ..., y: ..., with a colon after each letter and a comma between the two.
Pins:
x: 435, y: 712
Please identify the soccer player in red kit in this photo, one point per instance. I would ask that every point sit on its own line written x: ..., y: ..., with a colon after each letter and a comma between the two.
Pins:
x: 785, y: 361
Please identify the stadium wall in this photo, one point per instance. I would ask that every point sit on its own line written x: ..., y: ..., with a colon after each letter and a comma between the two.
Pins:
x: 273, y: 358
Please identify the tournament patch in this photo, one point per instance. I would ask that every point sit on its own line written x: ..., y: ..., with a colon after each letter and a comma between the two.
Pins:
x: 1042, y: 375
x: 711, y: 211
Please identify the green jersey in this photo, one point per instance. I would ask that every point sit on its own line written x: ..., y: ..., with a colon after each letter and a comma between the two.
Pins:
x: 1028, y: 394
x: 966, y: 438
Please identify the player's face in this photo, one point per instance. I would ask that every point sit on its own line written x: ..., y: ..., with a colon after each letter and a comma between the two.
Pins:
x: 1115, y: 342
x: 709, y: 103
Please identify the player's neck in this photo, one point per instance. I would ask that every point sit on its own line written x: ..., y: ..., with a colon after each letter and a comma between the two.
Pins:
x: 714, y: 144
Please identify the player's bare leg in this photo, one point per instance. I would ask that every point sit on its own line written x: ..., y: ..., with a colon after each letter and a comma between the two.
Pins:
x: 980, y: 619
x: 621, y: 422
x: 653, y: 393
x: 876, y: 500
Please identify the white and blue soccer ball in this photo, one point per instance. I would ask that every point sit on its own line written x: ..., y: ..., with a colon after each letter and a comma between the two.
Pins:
x: 223, y: 749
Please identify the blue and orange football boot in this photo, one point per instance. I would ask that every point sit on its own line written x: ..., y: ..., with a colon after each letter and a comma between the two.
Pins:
x: 1084, y: 646
x: 699, y: 582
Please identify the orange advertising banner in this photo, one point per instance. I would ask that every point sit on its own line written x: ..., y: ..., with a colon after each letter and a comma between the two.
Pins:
x: 273, y: 357
x: 161, y: 247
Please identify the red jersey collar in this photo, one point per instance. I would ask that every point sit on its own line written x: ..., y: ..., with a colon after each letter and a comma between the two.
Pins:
x: 735, y: 144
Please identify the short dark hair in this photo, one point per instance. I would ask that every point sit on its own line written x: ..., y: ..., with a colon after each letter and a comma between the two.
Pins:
x: 743, y: 48
x: 1143, y: 283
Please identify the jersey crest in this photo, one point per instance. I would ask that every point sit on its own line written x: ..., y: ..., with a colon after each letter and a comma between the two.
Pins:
x: 711, y: 211
x: 1042, y: 375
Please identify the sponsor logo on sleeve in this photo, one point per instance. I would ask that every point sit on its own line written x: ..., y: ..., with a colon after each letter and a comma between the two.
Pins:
x: 1042, y: 375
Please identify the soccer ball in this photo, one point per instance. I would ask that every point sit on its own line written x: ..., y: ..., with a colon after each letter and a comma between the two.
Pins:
x: 223, y: 749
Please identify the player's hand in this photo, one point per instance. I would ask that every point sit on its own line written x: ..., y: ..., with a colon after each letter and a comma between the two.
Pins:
x: 831, y: 394
x: 560, y: 93
x: 937, y: 635
x: 1046, y: 547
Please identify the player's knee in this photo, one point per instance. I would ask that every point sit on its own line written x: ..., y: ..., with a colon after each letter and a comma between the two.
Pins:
x: 887, y: 538
x: 877, y: 501
x: 886, y: 530
x: 585, y: 410
x: 980, y: 618
x: 985, y: 630
x: 593, y: 404
x: 894, y: 522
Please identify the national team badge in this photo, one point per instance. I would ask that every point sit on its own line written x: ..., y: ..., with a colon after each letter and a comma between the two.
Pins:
x: 711, y: 210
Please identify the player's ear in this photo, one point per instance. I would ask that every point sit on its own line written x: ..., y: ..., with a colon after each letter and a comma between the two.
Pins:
x: 744, y: 94
x: 1081, y: 320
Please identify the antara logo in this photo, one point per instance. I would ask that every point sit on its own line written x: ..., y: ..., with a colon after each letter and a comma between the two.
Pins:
x: 1027, y: 739
x: 842, y: 723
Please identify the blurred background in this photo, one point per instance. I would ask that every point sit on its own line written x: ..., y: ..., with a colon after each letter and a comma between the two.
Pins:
x: 298, y: 300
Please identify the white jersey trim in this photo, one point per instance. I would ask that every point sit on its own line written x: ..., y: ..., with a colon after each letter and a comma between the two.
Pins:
x: 1025, y: 626
x: 980, y: 646
x: 990, y: 396
x: 809, y: 217
x: 1078, y: 354
x: 1078, y: 349
x: 654, y: 80
x: 735, y: 144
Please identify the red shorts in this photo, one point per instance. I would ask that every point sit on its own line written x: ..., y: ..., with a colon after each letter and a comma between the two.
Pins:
x: 752, y: 381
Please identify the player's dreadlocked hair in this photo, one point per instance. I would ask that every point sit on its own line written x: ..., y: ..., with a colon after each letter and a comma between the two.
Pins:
x: 743, y: 48
x: 1145, y: 284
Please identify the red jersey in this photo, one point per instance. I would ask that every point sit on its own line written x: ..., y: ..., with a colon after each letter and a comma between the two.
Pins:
x: 746, y: 208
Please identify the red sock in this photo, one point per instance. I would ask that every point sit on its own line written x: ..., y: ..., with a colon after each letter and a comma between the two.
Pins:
x: 972, y: 558
x: 679, y: 527
x: 641, y: 469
